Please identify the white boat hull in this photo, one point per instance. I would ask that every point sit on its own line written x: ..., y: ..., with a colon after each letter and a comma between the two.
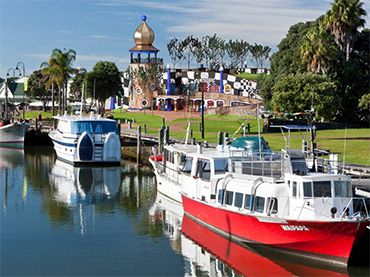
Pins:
x: 12, y: 135
x: 74, y: 149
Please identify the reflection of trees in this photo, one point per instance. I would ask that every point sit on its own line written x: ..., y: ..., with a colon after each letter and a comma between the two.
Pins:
x: 137, y: 196
x: 39, y: 162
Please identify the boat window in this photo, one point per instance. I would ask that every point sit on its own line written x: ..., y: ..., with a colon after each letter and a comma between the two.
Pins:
x: 229, y: 197
x: 97, y: 127
x: 294, y: 189
x: 247, y: 202
x: 322, y: 189
x: 307, y: 189
x: 188, y: 165
x: 204, y: 169
x: 260, y: 204
x: 182, y: 160
x: 273, y: 205
x: 221, y: 166
x: 220, y: 198
x: 168, y: 155
x: 342, y: 188
x: 238, y: 202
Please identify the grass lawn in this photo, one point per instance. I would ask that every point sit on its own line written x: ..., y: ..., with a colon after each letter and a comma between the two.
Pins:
x: 357, y: 150
x: 251, y: 76
x: 35, y: 114
x: 356, y: 147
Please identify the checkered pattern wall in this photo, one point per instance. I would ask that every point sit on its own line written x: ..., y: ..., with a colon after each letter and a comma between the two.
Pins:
x: 237, y: 85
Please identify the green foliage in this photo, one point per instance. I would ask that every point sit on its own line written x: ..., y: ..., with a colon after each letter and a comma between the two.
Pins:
x: 77, y: 84
x: 37, y: 84
x: 175, y: 51
x: 296, y: 93
x: 107, y: 82
x: 259, y: 53
x: 238, y: 52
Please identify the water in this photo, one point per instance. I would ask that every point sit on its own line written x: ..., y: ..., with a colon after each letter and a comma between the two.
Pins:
x: 57, y: 219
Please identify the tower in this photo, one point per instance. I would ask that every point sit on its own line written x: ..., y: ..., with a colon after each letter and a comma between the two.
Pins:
x: 145, y: 67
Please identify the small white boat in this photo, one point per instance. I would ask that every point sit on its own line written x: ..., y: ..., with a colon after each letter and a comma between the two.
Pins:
x: 89, y: 139
x: 12, y: 134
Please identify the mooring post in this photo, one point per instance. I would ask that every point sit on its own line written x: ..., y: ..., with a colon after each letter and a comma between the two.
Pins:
x: 163, y: 121
x: 129, y: 124
x: 138, y: 146
x: 144, y: 128
x: 167, y: 135
x: 119, y: 127
x: 161, y: 138
x: 191, y: 135
x: 220, y: 137
x: 249, y: 128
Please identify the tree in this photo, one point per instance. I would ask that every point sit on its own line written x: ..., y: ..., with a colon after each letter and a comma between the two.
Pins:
x: 260, y: 53
x: 77, y: 83
x: 343, y: 20
x: 318, y: 50
x: 188, y: 48
x: 296, y: 93
x: 107, y: 82
x: 37, y: 88
x: 213, y: 47
x: 60, y: 69
x: 174, y: 51
x: 238, y: 52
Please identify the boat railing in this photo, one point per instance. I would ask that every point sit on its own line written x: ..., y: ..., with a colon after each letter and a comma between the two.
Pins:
x: 264, y: 164
x: 354, y: 208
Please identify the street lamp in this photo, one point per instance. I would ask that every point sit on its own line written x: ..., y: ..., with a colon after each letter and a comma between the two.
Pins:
x: 24, y: 75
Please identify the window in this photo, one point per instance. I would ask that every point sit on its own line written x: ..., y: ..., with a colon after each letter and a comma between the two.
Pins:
x: 220, y: 197
x: 273, y: 205
x: 247, y: 202
x: 294, y: 188
x: 188, y: 165
x: 260, y: 204
x: 229, y: 197
x: 307, y: 189
x: 96, y: 127
x: 204, y: 170
x: 342, y: 188
x: 238, y: 202
x: 221, y: 166
x: 321, y: 189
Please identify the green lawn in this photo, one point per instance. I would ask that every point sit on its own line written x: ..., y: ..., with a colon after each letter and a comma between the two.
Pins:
x: 357, y: 148
x: 35, y: 114
x: 251, y: 76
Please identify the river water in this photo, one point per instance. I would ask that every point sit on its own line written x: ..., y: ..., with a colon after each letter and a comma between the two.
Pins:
x: 60, y: 220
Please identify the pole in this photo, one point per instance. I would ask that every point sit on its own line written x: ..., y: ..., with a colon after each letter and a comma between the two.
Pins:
x: 202, y: 114
x: 138, y: 146
x: 221, y: 79
x: 6, y: 98
x: 168, y: 87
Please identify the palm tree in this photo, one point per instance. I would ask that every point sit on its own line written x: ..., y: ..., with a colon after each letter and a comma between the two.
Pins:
x: 51, y: 73
x: 318, y: 51
x: 343, y: 20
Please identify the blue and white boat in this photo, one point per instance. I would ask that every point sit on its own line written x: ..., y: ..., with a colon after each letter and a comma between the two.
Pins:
x: 86, y: 139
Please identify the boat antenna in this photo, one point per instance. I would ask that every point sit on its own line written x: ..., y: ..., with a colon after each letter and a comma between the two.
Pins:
x: 82, y: 97
x: 6, y: 99
x: 259, y: 130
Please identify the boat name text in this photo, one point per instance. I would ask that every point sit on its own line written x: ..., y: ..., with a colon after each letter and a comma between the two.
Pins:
x: 294, y: 228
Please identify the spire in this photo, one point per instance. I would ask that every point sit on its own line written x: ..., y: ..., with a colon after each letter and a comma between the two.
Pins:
x: 144, y: 38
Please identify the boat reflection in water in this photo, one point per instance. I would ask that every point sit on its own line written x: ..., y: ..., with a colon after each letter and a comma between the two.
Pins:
x: 84, y: 188
x: 12, y: 175
x: 206, y: 253
x: 84, y: 185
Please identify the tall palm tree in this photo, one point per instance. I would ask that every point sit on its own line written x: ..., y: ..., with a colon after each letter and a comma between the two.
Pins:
x: 344, y: 19
x: 51, y: 73
x: 318, y: 51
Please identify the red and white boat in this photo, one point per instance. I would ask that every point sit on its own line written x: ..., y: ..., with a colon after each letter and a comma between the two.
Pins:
x: 274, y: 200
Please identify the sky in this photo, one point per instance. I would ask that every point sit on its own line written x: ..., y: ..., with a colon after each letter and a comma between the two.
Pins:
x: 103, y: 29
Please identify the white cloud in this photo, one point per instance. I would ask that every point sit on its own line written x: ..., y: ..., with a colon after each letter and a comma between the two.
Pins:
x: 98, y: 37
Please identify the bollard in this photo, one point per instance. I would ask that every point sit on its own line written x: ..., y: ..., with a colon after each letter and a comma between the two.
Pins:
x: 138, y: 146
x: 220, y: 137
x: 144, y: 128
x: 129, y: 125
x: 119, y: 127
x: 163, y: 121
x: 167, y: 135
x: 249, y: 128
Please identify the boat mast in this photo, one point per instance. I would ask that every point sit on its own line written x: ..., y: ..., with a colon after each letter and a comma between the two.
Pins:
x: 6, y: 99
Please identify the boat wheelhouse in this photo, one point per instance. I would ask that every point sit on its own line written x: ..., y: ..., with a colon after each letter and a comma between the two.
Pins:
x: 86, y: 139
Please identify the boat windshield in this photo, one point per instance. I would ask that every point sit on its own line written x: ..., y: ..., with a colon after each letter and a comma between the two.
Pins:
x: 93, y: 127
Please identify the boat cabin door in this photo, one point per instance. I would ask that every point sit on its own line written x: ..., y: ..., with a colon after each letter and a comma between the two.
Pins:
x: 203, y: 177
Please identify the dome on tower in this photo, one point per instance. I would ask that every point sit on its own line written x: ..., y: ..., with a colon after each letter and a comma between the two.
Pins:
x: 144, y: 38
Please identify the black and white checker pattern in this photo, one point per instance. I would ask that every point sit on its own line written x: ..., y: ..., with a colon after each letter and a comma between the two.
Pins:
x: 238, y: 85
